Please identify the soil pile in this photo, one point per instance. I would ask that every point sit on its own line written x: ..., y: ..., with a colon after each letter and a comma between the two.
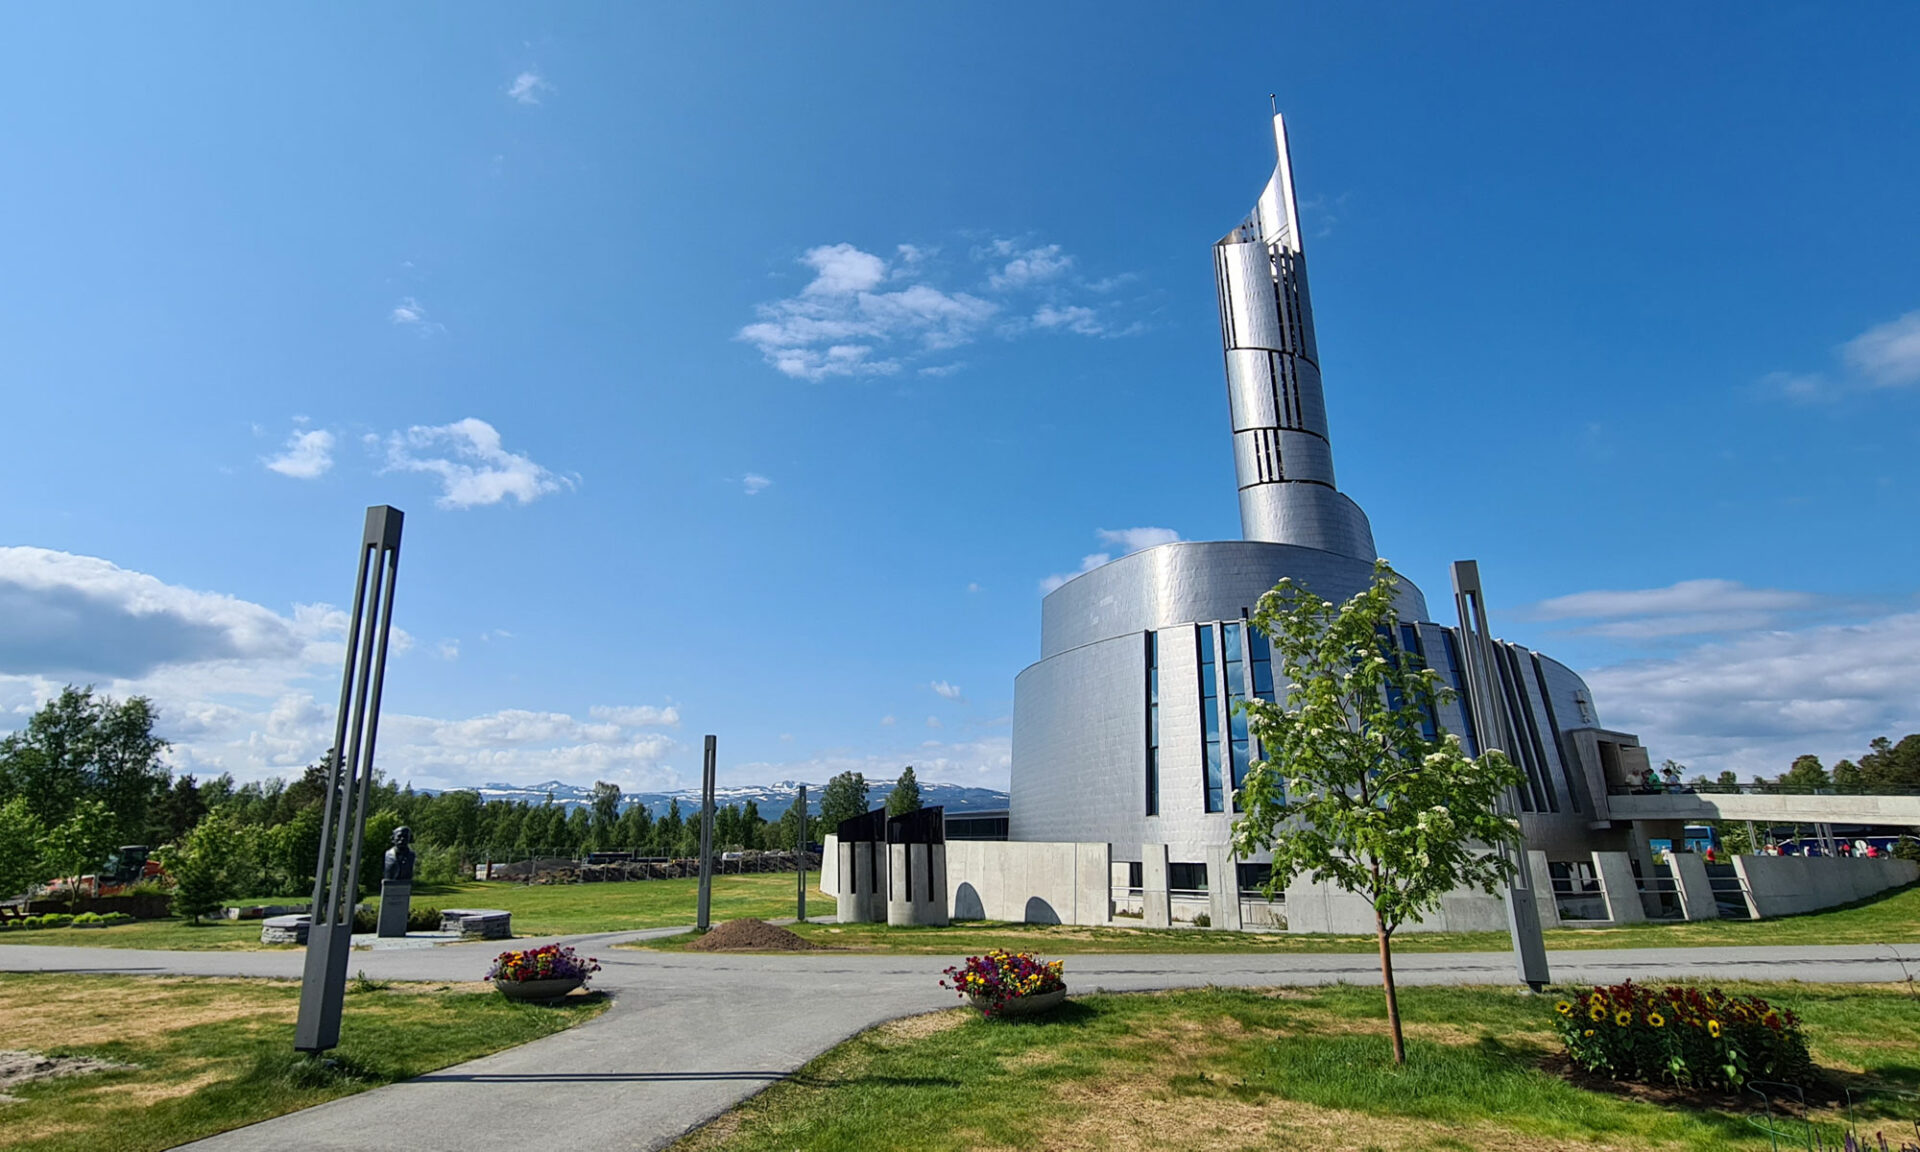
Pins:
x: 752, y: 935
x: 19, y: 1067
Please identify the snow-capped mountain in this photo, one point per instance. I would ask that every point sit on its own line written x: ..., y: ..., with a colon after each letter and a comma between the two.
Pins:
x: 771, y: 799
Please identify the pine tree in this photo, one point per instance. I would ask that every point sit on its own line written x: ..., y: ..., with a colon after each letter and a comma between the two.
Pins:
x: 905, y: 796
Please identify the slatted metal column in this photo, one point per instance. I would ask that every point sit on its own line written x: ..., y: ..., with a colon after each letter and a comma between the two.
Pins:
x: 343, y: 821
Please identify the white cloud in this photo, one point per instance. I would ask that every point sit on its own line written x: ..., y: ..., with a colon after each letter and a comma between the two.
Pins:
x: 753, y: 483
x: 1033, y: 266
x: 1073, y: 318
x: 1690, y: 607
x: 1888, y: 355
x: 410, y: 313
x: 973, y: 586
x: 1125, y: 539
x: 308, y: 455
x: 865, y: 315
x: 886, y: 721
x: 981, y: 764
x: 1753, y: 702
x: 527, y: 86
x: 473, y: 468
x: 1884, y: 356
x: 448, y: 650
x: 637, y: 716
x: 949, y: 691
x: 934, y: 722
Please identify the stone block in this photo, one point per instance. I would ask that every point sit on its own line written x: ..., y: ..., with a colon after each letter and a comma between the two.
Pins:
x: 477, y: 923
x: 285, y: 929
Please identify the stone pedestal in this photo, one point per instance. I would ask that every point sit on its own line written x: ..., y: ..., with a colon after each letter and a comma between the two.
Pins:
x: 394, y: 896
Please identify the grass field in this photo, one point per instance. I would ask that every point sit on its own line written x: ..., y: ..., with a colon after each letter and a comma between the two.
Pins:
x: 1893, y: 918
x: 207, y: 1055
x: 568, y: 909
x: 1223, y: 1070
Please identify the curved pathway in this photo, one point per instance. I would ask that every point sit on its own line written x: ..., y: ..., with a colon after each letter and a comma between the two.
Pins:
x: 690, y: 1035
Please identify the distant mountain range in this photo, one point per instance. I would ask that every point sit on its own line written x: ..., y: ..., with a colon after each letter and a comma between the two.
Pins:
x: 772, y: 799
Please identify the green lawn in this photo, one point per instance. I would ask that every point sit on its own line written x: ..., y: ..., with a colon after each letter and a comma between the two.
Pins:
x: 567, y: 909
x: 208, y: 1055
x: 538, y: 910
x: 1229, y: 1070
x: 1893, y: 918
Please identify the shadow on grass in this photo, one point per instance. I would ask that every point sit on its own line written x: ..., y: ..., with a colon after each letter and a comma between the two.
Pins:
x: 1069, y: 1012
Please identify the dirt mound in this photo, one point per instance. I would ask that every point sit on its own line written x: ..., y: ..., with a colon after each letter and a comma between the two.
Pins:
x: 19, y: 1067
x: 752, y: 935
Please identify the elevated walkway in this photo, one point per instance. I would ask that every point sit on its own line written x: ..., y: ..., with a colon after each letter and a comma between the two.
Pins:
x: 1766, y: 808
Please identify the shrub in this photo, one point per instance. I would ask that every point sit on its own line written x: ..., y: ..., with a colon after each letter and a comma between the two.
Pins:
x: 1202, y: 920
x: 992, y: 980
x: 48, y: 920
x: 1907, y: 848
x: 1681, y: 1035
x: 423, y: 919
x: 100, y: 919
x: 553, y: 962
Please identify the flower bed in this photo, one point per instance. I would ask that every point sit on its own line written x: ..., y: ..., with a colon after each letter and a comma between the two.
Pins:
x: 1682, y: 1035
x: 553, y: 962
x: 999, y: 979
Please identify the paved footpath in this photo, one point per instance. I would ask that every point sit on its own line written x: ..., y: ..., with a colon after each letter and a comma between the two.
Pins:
x: 690, y: 1035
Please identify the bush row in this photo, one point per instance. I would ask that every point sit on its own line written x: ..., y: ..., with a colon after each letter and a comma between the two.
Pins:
x: 62, y: 920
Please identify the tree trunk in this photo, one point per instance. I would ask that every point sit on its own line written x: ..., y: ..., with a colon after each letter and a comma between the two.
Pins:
x: 1386, y: 980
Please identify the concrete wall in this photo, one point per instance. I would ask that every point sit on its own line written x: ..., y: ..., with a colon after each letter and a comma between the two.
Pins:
x: 1318, y: 907
x: 1700, y: 807
x: 1789, y: 885
x: 1036, y: 883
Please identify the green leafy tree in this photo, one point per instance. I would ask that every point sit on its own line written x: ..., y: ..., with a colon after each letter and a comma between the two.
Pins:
x: 753, y: 828
x: 1350, y: 790
x: 1806, y: 775
x: 844, y: 797
x: 606, y: 813
x: 181, y: 807
x: 670, y: 829
x: 22, y: 864
x: 1848, y: 778
x: 905, y: 796
x: 78, y: 845
x: 1728, y: 780
x: 78, y: 747
x: 1890, y: 767
x: 207, y: 867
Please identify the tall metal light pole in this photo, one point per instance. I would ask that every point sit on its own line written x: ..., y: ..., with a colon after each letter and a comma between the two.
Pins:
x: 1490, y: 719
x: 343, y: 820
x: 800, y: 855
x: 706, y: 837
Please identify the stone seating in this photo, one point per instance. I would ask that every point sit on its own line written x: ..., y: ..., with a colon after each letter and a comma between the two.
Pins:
x: 285, y: 929
x: 477, y: 923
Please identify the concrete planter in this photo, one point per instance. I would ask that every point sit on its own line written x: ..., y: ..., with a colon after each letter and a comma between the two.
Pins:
x: 1024, y: 1005
x: 538, y: 989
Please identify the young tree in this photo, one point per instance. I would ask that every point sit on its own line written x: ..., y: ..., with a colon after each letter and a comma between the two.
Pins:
x: 1350, y: 789
x: 22, y: 864
x: 844, y: 797
x: 79, y: 845
x: 905, y: 796
x: 204, y: 867
x: 180, y: 809
x: 80, y: 746
x: 753, y: 828
x: 606, y: 813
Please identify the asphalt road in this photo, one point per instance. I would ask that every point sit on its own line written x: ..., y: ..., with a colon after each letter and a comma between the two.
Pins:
x: 689, y: 1036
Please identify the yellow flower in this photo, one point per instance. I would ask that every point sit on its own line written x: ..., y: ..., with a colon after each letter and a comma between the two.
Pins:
x: 1713, y: 1028
x: 1623, y: 1018
x: 1597, y: 1013
x: 1588, y: 1032
x: 1564, y: 1008
x: 1657, y: 1020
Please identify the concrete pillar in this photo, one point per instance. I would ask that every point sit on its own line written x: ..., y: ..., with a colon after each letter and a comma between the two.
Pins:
x: 1158, y: 902
x: 916, y: 885
x: 1617, y: 885
x: 1093, y: 884
x: 1544, y: 899
x: 1695, y: 887
x: 394, y: 895
x: 1223, y: 888
x: 861, y: 896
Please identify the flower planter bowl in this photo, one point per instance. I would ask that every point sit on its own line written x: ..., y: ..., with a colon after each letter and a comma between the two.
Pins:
x: 1024, y: 1005
x: 538, y: 989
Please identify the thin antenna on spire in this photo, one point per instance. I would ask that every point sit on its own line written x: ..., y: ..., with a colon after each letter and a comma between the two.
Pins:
x: 1273, y: 102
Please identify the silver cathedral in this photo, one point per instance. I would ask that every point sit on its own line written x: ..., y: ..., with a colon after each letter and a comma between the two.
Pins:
x: 1125, y: 730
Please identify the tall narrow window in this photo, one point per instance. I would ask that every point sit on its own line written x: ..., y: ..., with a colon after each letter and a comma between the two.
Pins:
x: 1260, y: 655
x: 1233, y: 675
x: 1153, y: 724
x: 1454, y: 660
x: 1210, y: 720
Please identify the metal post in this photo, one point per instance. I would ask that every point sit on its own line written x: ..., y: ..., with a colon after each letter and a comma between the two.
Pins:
x: 343, y: 821
x: 800, y: 855
x: 1490, y: 719
x: 706, y: 837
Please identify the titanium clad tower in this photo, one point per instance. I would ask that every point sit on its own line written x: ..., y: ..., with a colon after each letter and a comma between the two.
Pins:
x: 1281, y: 452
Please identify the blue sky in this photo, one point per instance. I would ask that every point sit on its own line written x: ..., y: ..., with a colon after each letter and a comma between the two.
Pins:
x: 749, y: 370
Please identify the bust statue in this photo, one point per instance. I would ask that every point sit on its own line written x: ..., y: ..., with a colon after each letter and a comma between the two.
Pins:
x: 400, y: 857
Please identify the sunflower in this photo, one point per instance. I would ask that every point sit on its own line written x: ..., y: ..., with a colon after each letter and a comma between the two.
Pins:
x: 1713, y: 1029
x: 1623, y: 1018
x: 1587, y: 1033
x: 1657, y: 1020
x: 1564, y: 1008
x: 1597, y: 1013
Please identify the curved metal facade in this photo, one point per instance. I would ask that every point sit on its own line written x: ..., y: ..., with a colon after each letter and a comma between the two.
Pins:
x: 1281, y: 451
